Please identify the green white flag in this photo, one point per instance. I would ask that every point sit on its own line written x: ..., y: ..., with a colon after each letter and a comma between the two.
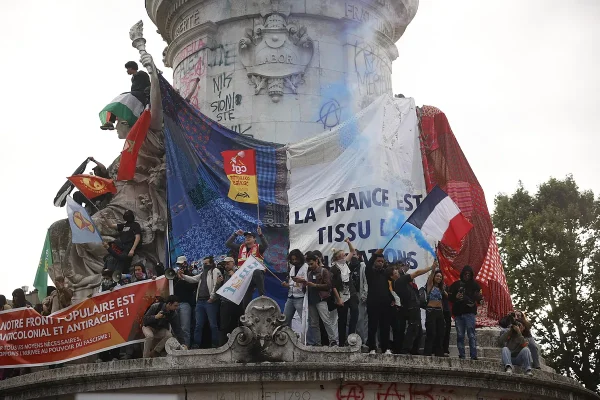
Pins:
x: 41, y: 276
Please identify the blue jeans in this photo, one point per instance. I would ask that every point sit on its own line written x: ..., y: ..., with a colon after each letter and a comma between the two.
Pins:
x: 185, y: 322
x: 207, y: 311
x: 465, y: 322
x: 291, y: 307
x: 523, y: 358
x: 535, y: 353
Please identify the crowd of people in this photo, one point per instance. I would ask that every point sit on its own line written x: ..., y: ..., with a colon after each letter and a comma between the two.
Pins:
x: 377, y: 300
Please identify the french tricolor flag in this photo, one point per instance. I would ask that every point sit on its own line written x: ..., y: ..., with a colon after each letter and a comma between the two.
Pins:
x: 438, y: 217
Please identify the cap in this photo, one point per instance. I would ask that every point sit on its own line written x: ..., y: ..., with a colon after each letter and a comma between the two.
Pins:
x: 249, y: 234
x: 181, y: 260
x: 227, y: 259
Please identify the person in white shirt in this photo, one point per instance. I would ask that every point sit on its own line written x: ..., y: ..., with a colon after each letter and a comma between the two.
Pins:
x: 297, y: 270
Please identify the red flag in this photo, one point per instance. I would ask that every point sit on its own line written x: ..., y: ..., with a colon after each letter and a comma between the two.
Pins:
x: 92, y: 186
x: 132, y: 146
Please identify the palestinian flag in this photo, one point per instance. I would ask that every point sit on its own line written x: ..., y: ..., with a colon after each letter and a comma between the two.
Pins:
x: 125, y: 106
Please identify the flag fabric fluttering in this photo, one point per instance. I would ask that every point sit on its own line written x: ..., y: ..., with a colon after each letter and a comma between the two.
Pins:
x: 83, y: 229
x: 92, y: 186
x: 131, y: 148
x: 240, y: 168
x: 41, y: 276
x: 439, y: 217
x: 67, y: 188
x: 125, y: 106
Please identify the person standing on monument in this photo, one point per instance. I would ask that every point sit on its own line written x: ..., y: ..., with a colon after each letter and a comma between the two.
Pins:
x: 359, y: 280
x: 408, y: 293
x: 435, y: 325
x: 465, y: 295
x: 140, y: 81
x: 250, y: 248
x: 207, y: 300
x: 297, y: 270
x: 346, y: 291
x: 230, y: 313
x: 186, y: 293
x: 379, y: 302
x: 318, y: 284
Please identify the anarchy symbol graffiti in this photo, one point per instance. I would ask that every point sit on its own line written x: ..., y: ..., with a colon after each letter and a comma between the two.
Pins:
x: 330, y: 114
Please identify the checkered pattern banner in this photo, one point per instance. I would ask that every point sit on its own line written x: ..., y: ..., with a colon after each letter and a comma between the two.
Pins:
x: 445, y: 165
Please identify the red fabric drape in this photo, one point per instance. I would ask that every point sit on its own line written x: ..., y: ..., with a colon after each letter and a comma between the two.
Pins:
x: 445, y: 165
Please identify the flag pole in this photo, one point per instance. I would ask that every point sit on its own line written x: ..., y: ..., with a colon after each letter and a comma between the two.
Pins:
x: 89, y: 201
x: 392, y: 238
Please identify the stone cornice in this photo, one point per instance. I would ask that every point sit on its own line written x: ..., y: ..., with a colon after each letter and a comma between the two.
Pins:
x: 399, y: 13
x: 187, y: 370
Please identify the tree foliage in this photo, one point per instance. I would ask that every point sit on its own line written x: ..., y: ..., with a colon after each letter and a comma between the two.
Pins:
x: 550, y: 246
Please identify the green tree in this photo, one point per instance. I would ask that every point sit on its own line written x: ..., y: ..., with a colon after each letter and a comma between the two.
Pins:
x: 550, y: 246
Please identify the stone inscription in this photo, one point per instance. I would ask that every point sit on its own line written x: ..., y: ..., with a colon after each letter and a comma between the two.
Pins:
x: 366, y: 16
x: 188, y: 22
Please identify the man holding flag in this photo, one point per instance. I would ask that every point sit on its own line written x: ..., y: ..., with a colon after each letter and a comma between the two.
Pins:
x: 244, y: 251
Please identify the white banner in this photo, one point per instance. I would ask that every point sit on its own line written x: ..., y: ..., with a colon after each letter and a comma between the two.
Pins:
x: 235, y: 288
x: 361, y: 181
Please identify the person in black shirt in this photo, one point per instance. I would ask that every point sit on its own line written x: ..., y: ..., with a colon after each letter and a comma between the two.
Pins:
x: 130, y: 233
x: 140, y: 81
x: 379, y: 303
x: 409, y: 297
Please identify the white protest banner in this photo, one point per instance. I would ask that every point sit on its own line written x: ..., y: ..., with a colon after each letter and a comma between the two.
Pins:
x: 235, y: 288
x: 361, y: 181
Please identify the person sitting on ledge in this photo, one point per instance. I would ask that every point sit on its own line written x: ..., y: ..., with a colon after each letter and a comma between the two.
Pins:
x: 157, y: 323
x: 515, y: 349
x: 520, y: 316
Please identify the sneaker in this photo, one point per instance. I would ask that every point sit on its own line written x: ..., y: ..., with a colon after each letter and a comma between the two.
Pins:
x: 107, y: 126
x: 125, y: 357
x: 333, y: 343
x: 446, y: 354
x: 373, y: 352
x: 508, y: 370
x: 474, y: 358
x: 388, y: 352
x: 529, y: 372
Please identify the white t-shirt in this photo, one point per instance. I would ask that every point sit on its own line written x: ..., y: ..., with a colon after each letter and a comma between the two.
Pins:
x: 295, y: 289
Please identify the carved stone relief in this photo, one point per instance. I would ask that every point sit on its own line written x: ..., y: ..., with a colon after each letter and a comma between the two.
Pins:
x: 276, y: 53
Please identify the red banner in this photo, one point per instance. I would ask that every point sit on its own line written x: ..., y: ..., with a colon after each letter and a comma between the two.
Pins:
x: 106, y: 320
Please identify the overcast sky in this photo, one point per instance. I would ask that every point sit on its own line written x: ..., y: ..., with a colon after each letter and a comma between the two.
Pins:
x: 517, y: 79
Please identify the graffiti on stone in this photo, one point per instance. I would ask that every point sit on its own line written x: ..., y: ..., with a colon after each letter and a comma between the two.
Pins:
x: 221, y: 82
x: 372, y: 69
x: 241, y: 129
x: 224, y: 108
x: 330, y: 114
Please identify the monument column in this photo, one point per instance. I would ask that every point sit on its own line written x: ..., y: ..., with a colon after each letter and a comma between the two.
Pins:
x: 280, y: 70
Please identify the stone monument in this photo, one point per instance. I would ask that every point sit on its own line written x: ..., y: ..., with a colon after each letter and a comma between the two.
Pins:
x: 281, y: 70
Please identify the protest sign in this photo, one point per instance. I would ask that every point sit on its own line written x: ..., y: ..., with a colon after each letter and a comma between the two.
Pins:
x: 104, y: 321
x: 235, y: 288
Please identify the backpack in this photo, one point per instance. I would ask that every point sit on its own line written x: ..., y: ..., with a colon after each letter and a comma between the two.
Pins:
x: 423, y: 297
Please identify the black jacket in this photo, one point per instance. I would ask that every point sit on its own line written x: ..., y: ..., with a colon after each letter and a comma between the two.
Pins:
x: 379, y: 289
x: 472, y: 294
x: 140, y: 81
x: 170, y: 317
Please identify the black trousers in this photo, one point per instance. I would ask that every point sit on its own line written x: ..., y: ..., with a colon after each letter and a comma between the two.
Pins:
x: 398, y: 325
x: 352, y: 306
x: 380, y: 315
x: 435, y: 327
x: 258, y: 282
x: 229, y: 319
x: 448, y: 327
x: 412, y: 337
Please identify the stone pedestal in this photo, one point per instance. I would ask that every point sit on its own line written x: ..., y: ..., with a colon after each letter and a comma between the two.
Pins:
x: 281, y: 71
